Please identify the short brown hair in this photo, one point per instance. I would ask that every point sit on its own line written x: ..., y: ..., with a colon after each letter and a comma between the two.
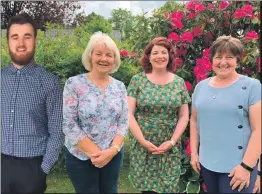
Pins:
x: 224, y: 44
x: 160, y: 41
x: 22, y: 18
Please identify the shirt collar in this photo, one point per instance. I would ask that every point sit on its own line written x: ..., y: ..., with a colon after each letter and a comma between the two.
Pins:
x: 27, y: 69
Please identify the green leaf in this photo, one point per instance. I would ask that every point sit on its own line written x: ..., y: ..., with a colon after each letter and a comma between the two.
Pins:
x: 234, y: 21
x: 192, y: 187
x: 255, y: 21
x: 182, y: 186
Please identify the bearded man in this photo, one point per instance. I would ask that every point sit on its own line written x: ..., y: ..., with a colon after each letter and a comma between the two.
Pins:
x: 31, y: 113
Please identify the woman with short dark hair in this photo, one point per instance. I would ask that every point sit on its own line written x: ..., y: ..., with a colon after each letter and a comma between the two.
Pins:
x: 225, y: 122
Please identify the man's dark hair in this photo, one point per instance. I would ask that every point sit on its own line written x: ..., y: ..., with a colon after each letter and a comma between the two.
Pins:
x: 22, y: 18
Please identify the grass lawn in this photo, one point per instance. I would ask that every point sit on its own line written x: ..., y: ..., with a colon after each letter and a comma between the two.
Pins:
x: 60, y: 183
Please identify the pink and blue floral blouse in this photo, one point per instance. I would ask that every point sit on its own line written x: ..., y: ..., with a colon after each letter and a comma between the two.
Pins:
x: 89, y: 113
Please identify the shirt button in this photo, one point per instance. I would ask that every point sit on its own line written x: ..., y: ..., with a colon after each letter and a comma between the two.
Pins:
x: 13, y: 96
x: 244, y: 87
x: 11, y: 126
x: 12, y: 110
x: 240, y: 126
x: 240, y: 147
x: 240, y: 107
x: 18, y: 72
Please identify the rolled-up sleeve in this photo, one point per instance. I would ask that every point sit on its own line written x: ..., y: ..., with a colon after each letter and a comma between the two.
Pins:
x: 71, y: 128
x: 123, y: 119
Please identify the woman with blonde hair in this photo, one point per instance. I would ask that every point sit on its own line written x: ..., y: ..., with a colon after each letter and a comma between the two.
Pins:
x: 95, y: 119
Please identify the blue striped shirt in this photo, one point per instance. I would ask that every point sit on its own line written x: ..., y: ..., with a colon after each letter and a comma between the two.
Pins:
x: 31, y: 113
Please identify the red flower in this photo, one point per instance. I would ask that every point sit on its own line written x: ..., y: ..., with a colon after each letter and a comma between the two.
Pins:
x: 206, y: 53
x: 204, y: 187
x: 177, y: 14
x: 124, y: 53
x: 248, y: 9
x: 199, y: 7
x: 177, y: 24
x: 191, y: 15
x: 211, y: 6
x: 204, y: 64
x: 174, y: 36
x: 251, y: 35
x: 258, y: 64
x: 223, y: 5
x: 190, y: 5
x: 207, y: 66
x: 200, y: 77
x: 133, y: 54
x: 197, y: 31
x: 188, y: 150
x: 188, y: 86
x: 239, y: 13
x: 178, y: 62
x: 187, y: 36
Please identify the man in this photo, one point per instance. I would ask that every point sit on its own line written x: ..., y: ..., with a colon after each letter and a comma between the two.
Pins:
x: 31, y: 112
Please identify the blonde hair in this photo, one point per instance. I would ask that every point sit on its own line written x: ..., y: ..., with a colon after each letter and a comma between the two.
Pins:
x: 100, y: 38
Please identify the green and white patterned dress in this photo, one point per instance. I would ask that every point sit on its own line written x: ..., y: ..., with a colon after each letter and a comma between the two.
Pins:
x: 157, y: 114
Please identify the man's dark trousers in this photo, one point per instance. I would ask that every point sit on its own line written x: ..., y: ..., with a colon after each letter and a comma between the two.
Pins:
x: 22, y: 175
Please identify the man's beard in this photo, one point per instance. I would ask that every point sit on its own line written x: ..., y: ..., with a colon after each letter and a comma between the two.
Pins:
x: 22, y: 60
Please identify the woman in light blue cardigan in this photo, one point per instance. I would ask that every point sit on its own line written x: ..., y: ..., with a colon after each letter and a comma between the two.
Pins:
x: 225, y: 124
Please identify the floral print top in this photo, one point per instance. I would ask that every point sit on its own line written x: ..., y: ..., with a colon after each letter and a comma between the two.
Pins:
x: 89, y: 113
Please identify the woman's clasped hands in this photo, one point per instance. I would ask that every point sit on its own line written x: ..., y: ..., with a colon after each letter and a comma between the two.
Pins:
x: 162, y: 149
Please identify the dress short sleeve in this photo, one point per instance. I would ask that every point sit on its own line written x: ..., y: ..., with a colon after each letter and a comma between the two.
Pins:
x: 255, y: 92
x: 132, y: 89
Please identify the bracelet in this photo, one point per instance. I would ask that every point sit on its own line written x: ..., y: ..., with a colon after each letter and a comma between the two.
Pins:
x: 246, y: 167
x: 117, y: 147
x: 258, y: 172
x: 172, y: 142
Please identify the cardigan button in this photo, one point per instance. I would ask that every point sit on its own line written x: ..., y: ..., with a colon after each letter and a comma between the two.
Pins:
x: 240, y: 107
x: 240, y: 147
x: 244, y: 87
x: 240, y: 126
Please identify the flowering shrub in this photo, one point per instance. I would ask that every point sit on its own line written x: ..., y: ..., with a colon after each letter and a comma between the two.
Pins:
x: 124, y: 53
x: 192, y: 32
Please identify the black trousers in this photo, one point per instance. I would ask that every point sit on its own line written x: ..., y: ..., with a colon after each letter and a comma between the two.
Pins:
x: 22, y: 175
